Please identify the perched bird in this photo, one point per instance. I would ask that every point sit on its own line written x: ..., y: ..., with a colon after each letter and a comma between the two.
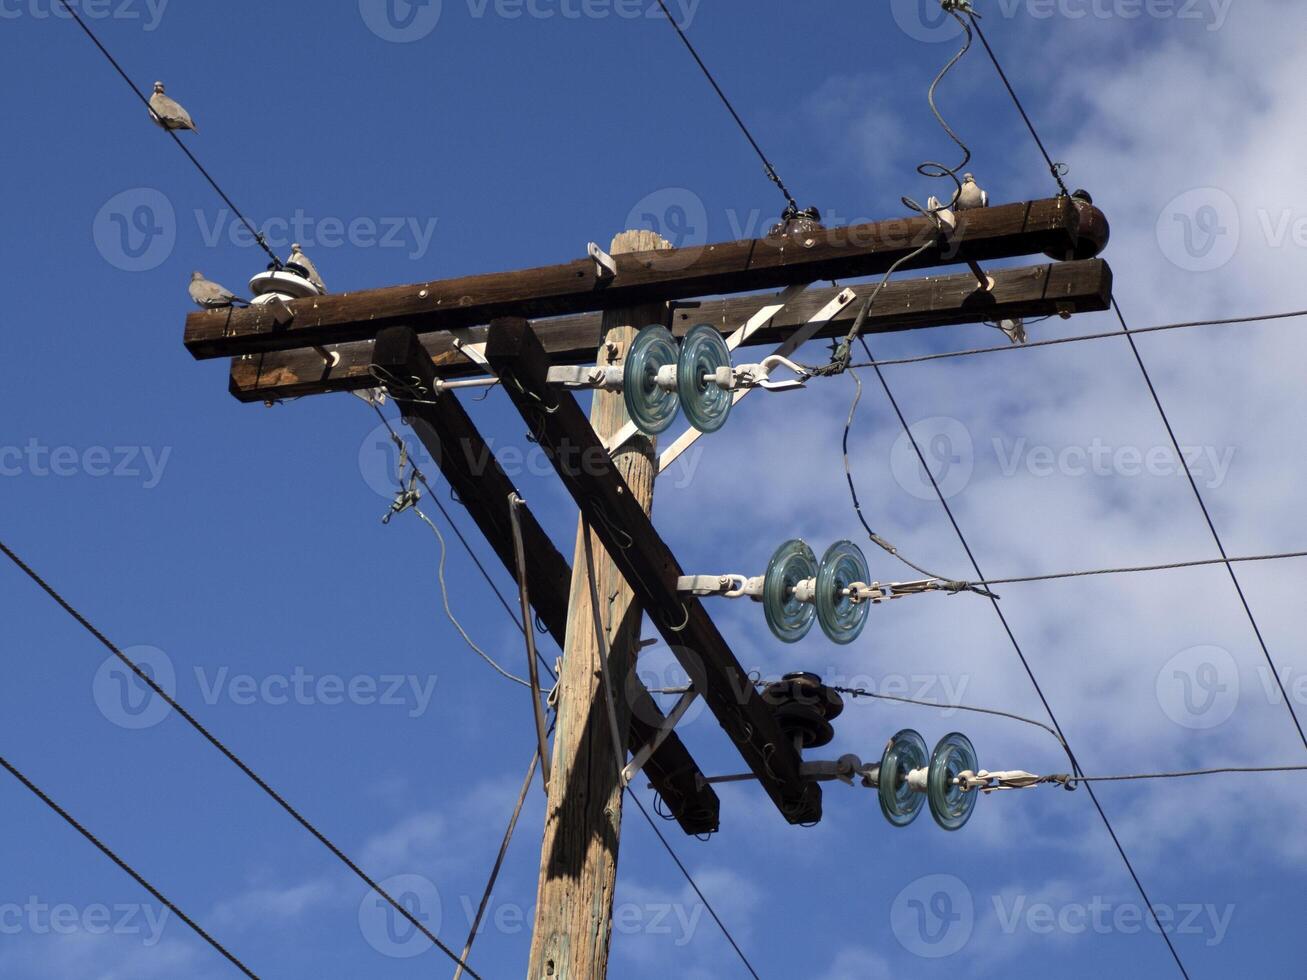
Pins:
x: 375, y: 397
x: 305, y: 264
x: 970, y: 195
x: 1015, y: 329
x: 211, y: 296
x: 168, y: 113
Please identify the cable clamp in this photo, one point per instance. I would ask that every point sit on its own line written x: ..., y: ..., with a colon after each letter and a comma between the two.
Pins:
x: 406, y: 497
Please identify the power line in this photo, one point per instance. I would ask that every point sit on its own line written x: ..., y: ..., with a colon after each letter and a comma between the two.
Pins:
x: 792, y: 206
x: 1161, y: 411
x: 1142, y: 568
x: 1055, y: 341
x: 258, y: 236
x: 107, y: 852
x: 231, y: 756
x: 1211, y: 525
x: 1056, y: 169
x: 1075, y: 765
x: 693, y: 884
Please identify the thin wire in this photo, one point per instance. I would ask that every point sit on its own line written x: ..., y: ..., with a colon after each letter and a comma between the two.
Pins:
x: 434, y: 498
x: 499, y: 861
x: 107, y: 852
x: 772, y: 175
x: 1143, y: 568
x: 690, y: 878
x: 864, y: 693
x: 1056, y: 169
x: 1187, y: 773
x: 1211, y: 525
x: 1110, y: 334
x: 444, y: 596
x: 258, y: 236
x: 213, y: 740
x: 1075, y: 765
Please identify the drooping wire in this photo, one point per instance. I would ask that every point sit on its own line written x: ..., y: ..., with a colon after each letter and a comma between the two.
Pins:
x: 1078, y: 338
x: 998, y: 609
x: 1211, y: 524
x: 694, y: 885
x: 136, y: 876
x: 231, y: 756
x: 449, y: 613
x: 933, y: 169
x: 860, y: 692
x: 258, y: 236
x: 431, y: 495
x: 791, y: 206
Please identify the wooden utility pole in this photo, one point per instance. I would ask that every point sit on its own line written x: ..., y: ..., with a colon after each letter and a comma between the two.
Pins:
x: 583, y: 823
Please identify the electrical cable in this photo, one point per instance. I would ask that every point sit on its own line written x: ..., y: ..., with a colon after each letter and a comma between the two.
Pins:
x: 792, y: 206
x: 1075, y: 765
x: 1211, y: 524
x: 258, y: 236
x: 693, y: 884
x: 1055, y: 341
x: 213, y: 740
x: 136, y: 876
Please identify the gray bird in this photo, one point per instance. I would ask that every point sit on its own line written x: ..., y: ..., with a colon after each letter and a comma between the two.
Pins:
x: 1015, y: 329
x: 971, y: 196
x: 298, y: 258
x: 168, y: 113
x: 210, y: 295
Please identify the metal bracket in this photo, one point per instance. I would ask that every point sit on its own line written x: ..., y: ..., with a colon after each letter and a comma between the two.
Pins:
x: 474, y: 352
x: 580, y: 376
x: 730, y: 585
x: 605, y: 265
x: 664, y: 730
x: 797, y: 340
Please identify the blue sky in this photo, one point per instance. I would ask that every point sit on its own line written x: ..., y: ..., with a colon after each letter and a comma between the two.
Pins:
x: 242, y: 549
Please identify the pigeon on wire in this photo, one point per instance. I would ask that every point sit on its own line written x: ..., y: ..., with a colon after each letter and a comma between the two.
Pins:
x: 299, y: 262
x: 211, y: 296
x: 168, y: 113
x: 970, y: 196
x: 1015, y: 329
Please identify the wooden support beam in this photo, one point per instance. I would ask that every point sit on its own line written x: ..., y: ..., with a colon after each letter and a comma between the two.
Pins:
x: 556, y: 422
x: 1004, y: 231
x: 904, y: 304
x: 467, y: 463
